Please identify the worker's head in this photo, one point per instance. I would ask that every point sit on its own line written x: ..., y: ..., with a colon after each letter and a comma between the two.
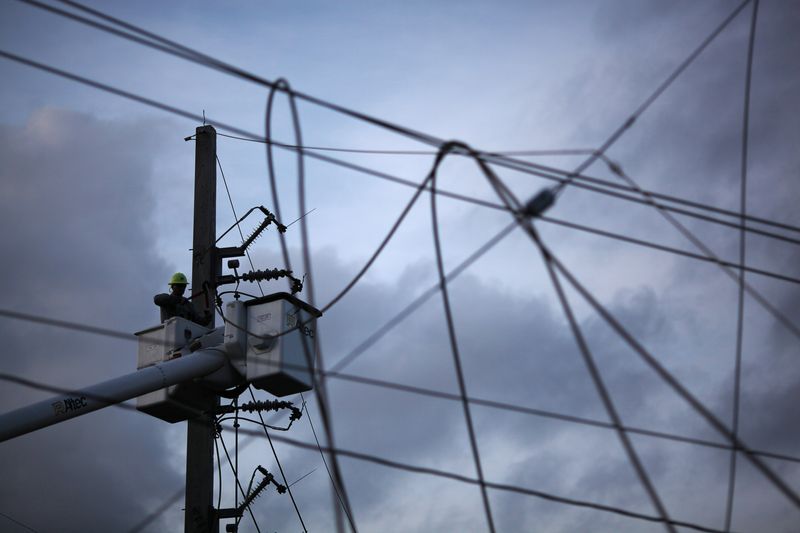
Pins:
x: 178, y: 283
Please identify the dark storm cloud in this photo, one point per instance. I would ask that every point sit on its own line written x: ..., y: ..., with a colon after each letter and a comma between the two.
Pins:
x: 77, y: 245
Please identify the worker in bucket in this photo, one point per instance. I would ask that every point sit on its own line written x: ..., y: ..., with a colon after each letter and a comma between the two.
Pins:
x: 175, y: 304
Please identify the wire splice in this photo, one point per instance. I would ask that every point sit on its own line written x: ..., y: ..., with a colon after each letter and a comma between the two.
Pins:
x: 540, y: 203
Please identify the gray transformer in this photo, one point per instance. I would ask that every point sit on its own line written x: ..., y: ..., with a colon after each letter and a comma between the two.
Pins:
x: 277, y: 333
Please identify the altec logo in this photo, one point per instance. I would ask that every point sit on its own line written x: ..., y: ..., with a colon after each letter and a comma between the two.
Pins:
x: 67, y: 405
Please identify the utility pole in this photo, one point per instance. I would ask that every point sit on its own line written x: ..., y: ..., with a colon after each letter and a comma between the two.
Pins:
x: 200, y: 516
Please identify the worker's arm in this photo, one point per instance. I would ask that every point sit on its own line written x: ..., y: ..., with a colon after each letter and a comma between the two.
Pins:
x: 164, y: 299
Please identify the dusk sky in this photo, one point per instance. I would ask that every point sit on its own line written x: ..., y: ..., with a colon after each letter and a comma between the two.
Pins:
x: 96, y: 210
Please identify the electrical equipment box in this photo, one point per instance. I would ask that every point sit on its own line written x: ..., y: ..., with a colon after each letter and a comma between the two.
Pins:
x: 159, y: 344
x: 280, y: 346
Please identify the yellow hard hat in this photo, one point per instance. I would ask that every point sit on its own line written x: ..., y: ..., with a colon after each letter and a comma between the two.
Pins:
x: 178, y: 278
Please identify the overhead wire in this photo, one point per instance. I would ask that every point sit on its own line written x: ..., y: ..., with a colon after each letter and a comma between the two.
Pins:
x: 375, y: 151
x: 593, y: 184
x: 700, y: 245
x: 511, y: 203
x: 236, y: 478
x: 670, y: 380
x: 664, y: 87
x: 165, y: 45
x: 322, y: 455
x: 236, y: 218
x: 496, y: 486
x: 742, y: 255
x: 383, y: 175
x: 318, y: 385
x: 614, y: 137
x: 462, y: 387
x: 516, y: 207
x: 278, y: 462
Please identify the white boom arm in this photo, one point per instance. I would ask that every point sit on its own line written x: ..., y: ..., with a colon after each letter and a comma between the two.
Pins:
x: 113, y: 391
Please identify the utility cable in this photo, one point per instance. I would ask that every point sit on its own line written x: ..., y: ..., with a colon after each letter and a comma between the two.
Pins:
x: 417, y: 302
x: 541, y: 413
x: 462, y: 387
x: 652, y: 98
x: 496, y: 486
x: 319, y: 385
x: 236, y: 477
x: 162, y: 44
x: 278, y: 462
x: 559, y: 175
x: 742, y: 255
x: 608, y: 403
x: 507, y: 197
x: 195, y: 56
x: 382, y: 175
x: 324, y: 462
x: 665, y: 375
x: 512, y: 203
x: 235, y: 217
x: 178, y: 494
x: 555, y: 152
x: 757, y: 296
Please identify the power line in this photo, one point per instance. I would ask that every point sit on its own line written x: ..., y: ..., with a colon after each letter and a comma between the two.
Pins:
x: 653, y: 97
x: 672, y: 381
x: 278, y: 462
x: 383, y: 175
x: 555, y: 174
x: 324, y: 462
x: 236, y: 478
x: 190, y: 54
x: 510, y: 201
x: 462, y: 387
x: 236, y: 218
x: 318, y: 385
x: 564, y: 152
x: 755, y: 294
x: 184, y: 52
x: 496, y: 486
x: 742, y: 256
x: 515, y: 206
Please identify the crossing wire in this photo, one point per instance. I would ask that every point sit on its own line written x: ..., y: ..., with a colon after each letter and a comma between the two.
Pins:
x: 236, y: 218
x: 514, y: 206
x: 278, y: 462
x: 699, y: 244
x: 615, y: 136
x: 359, y: 168
x: 318, y: 385
x: 462, y: 387
x: 160, y: 43
x: 171, y: 47
x: 490, y: 484
x: 322, y: 455
x: 742, y: 254
x: 620, y: 132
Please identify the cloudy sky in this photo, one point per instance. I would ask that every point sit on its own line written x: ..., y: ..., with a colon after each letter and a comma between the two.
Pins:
x: 97, y: 214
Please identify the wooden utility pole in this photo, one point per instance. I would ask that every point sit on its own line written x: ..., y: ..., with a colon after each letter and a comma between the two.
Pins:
x: 200, y: 516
